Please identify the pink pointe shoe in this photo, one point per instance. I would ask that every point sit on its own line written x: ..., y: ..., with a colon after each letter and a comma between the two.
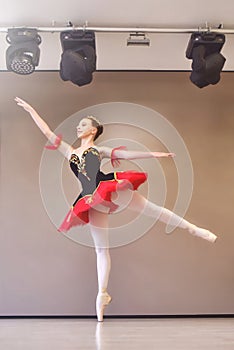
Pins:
x: 202, y: 233
x: 103, y: 299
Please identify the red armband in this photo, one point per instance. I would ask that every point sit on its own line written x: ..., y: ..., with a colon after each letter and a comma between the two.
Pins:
x: 56, y: 143
x: 114, y: 160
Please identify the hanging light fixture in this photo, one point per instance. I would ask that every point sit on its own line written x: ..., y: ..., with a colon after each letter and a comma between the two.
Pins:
x: 138, y: 39
x: 22, y: 56
x: 78, y: 60
x: 204, y: 49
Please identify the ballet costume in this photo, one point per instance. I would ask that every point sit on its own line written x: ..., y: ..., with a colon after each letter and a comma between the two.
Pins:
x: 98, y: 188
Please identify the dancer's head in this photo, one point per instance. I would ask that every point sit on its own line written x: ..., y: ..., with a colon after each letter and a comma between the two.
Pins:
x: 89, y: 126
x: 96, y: 124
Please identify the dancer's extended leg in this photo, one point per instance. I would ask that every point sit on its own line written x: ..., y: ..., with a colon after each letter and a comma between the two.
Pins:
x: 139, y: 203
x: 99, y: 231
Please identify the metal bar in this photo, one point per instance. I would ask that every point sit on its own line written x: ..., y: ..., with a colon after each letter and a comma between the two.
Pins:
x: 123, y: 30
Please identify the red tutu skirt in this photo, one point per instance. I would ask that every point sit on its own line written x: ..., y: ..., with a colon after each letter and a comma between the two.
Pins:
x: 79, y: 213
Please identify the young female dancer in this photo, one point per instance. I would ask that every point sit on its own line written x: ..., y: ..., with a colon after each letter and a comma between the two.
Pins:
x: 98, y: 197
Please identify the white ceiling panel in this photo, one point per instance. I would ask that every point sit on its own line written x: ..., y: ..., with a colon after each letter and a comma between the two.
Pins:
x: 178, y: 13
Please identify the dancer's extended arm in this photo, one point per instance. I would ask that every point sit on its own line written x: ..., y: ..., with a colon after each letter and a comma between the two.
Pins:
x: 120, y: 153
x: 62, y: 146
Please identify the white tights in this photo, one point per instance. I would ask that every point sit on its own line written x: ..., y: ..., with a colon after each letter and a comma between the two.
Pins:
x: 99, y: 229
x: 134, y: 201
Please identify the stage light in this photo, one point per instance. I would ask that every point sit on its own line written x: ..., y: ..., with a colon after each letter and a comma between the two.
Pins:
x: 78, y: 60
x: 22, y: 56
x: 204, y: 49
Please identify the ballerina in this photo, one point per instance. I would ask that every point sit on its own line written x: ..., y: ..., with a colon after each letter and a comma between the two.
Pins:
x: 98, y: 197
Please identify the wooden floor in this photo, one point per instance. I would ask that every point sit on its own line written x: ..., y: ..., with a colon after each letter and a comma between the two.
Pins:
x: 117, y: 334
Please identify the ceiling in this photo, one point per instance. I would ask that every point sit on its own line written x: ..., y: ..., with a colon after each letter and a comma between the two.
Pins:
x: 156, y: 13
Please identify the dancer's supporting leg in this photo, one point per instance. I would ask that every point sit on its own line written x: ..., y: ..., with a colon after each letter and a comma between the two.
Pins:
x: 99, y: 231
x: 139, y: 203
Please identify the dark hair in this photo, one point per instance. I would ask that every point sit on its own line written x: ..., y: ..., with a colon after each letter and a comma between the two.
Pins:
x: 98, y: 126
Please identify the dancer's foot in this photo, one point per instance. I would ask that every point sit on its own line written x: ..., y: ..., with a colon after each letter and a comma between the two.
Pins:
x: 202, y: 233
x: 103, y: 299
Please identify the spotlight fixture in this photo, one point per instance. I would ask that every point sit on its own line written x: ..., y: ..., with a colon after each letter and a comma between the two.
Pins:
x: 78, y: 60
x: 22, y: 56
x: 136, y: 39
x: 204, y: 49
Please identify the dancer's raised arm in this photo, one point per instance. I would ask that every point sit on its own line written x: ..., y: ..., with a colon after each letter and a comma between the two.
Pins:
x: 62, y: 146
x: 121, y: 153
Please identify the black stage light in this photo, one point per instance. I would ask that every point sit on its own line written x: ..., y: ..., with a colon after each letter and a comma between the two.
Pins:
x: 204, y: 49
x: 78, y: 60
x: 22, y: 56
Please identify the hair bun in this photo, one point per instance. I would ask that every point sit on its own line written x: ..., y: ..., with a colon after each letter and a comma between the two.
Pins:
x: 99, y: 131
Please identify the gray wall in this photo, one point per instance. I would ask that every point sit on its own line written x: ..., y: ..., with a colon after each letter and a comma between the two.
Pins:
x: 42, y: 272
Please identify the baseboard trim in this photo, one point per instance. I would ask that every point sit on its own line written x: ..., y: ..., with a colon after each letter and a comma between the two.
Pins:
x: 115, y: 316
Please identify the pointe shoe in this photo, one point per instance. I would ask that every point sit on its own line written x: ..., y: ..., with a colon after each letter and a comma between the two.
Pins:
x: 202, y: 233
x: 103, y: 299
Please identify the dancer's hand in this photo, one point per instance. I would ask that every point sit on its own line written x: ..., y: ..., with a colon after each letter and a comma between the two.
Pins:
x: 24, y: 104
x: 162, y: 154
x: 170, y: 155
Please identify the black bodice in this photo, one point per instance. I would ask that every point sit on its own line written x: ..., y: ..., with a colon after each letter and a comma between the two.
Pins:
x: 87, y: 169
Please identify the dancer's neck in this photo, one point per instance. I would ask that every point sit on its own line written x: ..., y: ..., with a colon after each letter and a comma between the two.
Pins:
x: 86, y: 142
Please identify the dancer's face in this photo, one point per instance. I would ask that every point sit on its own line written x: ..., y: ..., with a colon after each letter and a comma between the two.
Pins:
x: 85, y: 128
